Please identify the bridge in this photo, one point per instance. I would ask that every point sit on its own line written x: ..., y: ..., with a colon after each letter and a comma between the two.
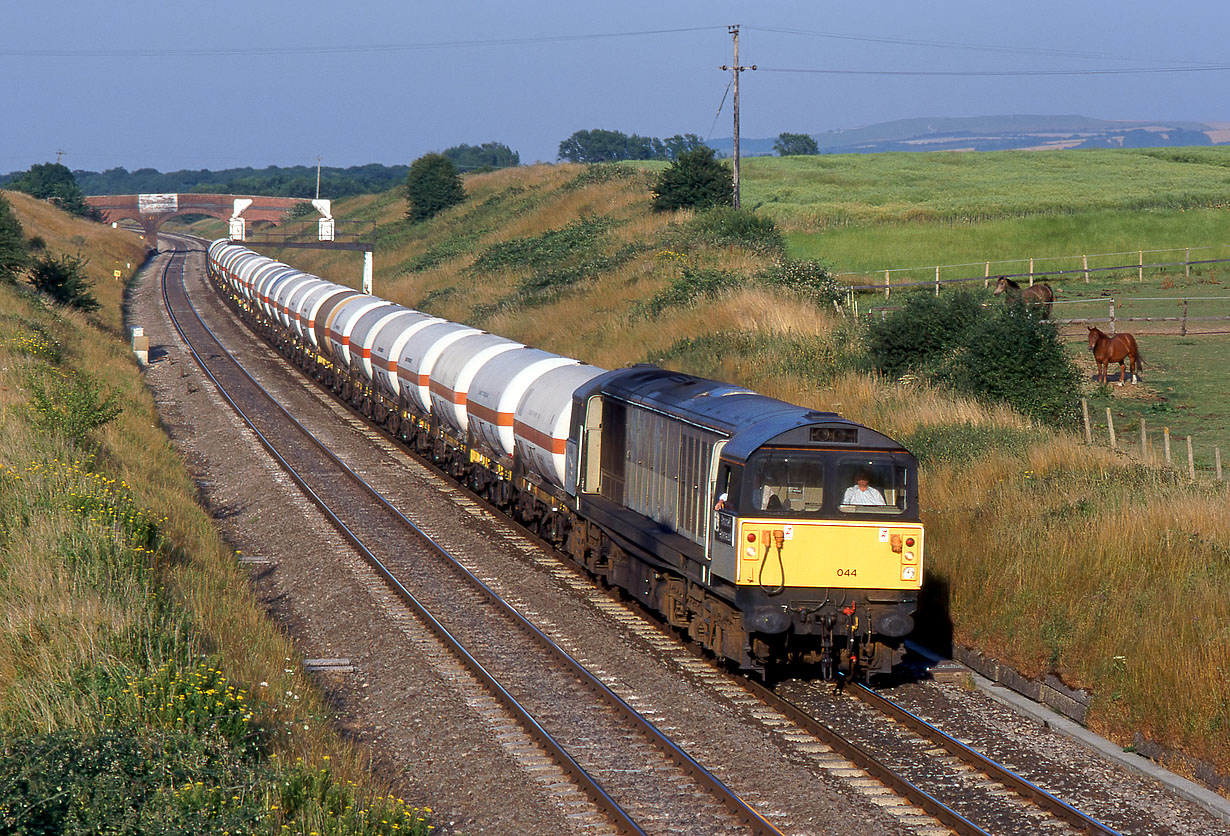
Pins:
x: 153, y: 210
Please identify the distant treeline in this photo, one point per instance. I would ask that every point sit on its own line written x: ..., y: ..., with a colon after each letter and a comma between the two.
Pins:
x: 274, y: 181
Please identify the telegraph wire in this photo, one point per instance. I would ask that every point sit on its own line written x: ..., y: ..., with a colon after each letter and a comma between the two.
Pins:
x: 992, y: 73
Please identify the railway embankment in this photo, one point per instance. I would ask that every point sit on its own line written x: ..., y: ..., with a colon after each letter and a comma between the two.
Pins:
x: 141, y: 685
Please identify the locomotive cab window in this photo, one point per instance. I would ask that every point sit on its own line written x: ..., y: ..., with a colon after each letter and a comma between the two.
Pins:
x: 785, y: 482
x: 871, y: 485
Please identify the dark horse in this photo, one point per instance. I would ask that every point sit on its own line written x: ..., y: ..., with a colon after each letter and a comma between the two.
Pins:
x: 1038, y: 294
x: 1120, y: 349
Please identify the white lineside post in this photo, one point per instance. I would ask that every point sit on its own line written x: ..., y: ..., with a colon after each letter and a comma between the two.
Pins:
x: 1191, y: 461
x: 326, y: 226
x: 236, y: 226
x: 367, y: 272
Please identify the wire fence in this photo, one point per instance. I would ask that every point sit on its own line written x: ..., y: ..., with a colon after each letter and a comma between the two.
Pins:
x: 1031, y: 269
x: 1144, y: 444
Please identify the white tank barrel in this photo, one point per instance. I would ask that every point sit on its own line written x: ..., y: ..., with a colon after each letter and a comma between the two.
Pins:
x: 419, y: 356
x: 542, y: 422
x: 453, y: 372
x: 387, y: 346
x: 343, y: 321
x: 364, y: 334
x: 496, y: 391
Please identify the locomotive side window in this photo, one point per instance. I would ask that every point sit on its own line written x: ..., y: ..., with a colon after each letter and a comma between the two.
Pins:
x: 871, y: 485
x: 786, y: 482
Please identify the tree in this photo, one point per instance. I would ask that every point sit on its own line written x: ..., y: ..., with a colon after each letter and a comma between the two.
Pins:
x: 791, y: 145
x: 55, y: 183
x: 432, y: 185
x: 12, y: 244
x: 63, y: 279
x: 600, y: 146
x: 485, y: 157
x: 680, y: 143
x: 694, y: 180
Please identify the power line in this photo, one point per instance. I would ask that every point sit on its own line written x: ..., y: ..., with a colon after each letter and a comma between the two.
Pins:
x: 1018, y: 50
x: 989, y: 73
x: 332, y: 50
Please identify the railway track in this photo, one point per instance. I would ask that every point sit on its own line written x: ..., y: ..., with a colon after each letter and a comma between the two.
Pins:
x: 606, y: 772
x: 631, y: 771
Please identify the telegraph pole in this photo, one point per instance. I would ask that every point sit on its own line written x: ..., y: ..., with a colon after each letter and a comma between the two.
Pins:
x: 318, y: 178
x: 736, y: 69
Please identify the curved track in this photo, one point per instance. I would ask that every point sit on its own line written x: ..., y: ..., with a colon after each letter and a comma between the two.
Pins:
x: 589, y: 730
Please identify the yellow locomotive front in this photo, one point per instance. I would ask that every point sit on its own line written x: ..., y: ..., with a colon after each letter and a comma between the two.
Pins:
x: 822, y: 541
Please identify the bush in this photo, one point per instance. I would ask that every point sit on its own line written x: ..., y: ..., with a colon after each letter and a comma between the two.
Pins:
x: 71, y: 405
x: 12, y: 244
x: 726, y: 226
x: 693, y: 284
x: 63, y: 279
x: 967, y: 442
x: 432, y: 185
x: 923, y: 332
x: 1002, y: 354
x: 696, y: 180
x: 808, y: 278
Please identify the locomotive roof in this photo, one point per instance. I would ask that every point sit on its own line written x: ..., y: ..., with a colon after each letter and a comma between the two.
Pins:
x: 750, y: 420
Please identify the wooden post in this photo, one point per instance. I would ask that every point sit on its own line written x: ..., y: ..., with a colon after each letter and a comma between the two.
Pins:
x: 986, y: 282
x: 886, y: 282
x: 1166, y: 444
x: 1031, y: 271
x: 1141, y: 276
x: 1144, y: 442
x: 1217, y: 462
x: 937, y: 280
x: 1085, y: 264
x: 1187, y: 263
x: 1191, y: 460
x: 1110, y: 428
x: 1085, y: 415
x: 1112, y: 316
x: 1183, y: 329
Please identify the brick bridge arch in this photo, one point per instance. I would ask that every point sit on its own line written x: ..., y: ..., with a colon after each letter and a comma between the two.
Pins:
x: 153, y: 210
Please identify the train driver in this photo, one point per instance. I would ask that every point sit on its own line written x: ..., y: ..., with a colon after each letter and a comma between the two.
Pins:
x: 861, y: 492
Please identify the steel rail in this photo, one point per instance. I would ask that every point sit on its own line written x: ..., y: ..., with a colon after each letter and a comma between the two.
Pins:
x: 1018, y: 784
x: 863, y: 759
x: 740, y: 809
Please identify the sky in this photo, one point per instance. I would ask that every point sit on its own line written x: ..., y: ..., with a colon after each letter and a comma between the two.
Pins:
x: 175, y: 86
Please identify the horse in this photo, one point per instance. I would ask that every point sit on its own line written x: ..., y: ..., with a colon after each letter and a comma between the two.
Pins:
x: 1120, y: 349
x: 1038, y: 294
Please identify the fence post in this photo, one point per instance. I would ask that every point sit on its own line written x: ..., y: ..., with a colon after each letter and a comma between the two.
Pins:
x: 1166, y: 442
x: 1144, y: 445
x: 1031, y: 271
x: 1110, y: 429
x: 1217, y: 462
x: 986, y: 281
x: 937, y: 280
x: 1183, y: 329
x: 1085, y: 264
x: 1191, y: 460
x: 886, y: 283
x: 1085, y: 415
x: 1187, y: 263
x: 1112, y: 316
x: 1141, y: 275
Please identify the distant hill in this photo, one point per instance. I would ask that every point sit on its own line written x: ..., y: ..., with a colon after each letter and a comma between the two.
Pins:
x: 996, y: 133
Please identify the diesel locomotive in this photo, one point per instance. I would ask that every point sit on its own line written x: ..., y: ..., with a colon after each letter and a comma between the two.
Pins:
x: 740, y: 519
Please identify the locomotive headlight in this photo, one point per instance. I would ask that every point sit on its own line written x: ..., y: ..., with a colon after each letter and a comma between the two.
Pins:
x: 908, y: 557
x: 908, y: 573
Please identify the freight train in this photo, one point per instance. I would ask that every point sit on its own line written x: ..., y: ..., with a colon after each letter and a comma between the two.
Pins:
x: 767, y: 532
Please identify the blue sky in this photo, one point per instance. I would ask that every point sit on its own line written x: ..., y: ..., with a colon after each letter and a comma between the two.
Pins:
x: 219, y: 85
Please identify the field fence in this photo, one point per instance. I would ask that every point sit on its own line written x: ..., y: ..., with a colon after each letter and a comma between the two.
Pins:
x: 1152, y: 447
x: 1031, y: 269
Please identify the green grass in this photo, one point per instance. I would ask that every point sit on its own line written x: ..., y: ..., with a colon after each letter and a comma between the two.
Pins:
x: 834, y: 191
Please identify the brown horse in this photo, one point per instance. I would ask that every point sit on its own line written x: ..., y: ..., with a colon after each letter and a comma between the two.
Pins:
x: 1120, y: 349
x: 1038, y: 294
